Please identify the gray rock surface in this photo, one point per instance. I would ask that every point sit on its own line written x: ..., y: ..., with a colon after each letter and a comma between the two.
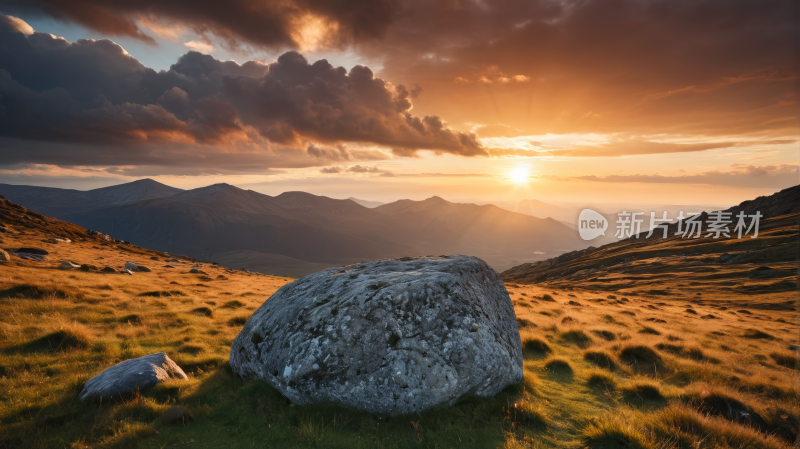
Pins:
x: 131, y: 375
x: 68, y: 265
x: 389, y: 337
x: 131, y: 266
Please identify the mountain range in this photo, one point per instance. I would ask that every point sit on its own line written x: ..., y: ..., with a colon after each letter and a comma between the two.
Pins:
x: 296, y: 233
x: 724, y: 263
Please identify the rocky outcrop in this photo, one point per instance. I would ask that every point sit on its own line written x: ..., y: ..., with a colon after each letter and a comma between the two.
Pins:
x: 131, y: 376
x: 389, y: 337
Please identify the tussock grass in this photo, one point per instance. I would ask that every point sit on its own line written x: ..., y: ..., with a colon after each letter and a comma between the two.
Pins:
x: 558, y: 365
x: 577, y: 337
x: 600, y: 358
x: 649, y: 330
x: 605, y: 334
x: 601, y: 379
x: 162, y: 293
x: 522, y: 323
x: 645, y: 390
x: 536, y: 347
x: 786, y: 359
x: 757, y: 335
x: 205, y: 311
x: 238, y: 320
x: 235, y: 304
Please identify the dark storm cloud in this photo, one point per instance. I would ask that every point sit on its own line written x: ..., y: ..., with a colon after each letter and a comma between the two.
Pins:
x: 93, y: 92
x: 270, y: 23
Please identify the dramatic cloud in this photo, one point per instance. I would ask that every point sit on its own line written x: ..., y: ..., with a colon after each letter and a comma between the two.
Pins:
x: 765, y: 176
x: 711, y: 67
x: 92, y: 92
x: 289, y: 23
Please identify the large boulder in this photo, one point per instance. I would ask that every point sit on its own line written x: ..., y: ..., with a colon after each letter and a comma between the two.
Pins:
x: 131, y: 376
x: 389, y: 337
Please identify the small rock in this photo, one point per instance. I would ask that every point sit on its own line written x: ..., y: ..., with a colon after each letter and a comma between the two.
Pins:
x: 131, y: 376
x: 196, y: 271
x: 29, y: 256
x: 39, y: 251
x: 143, y: 268
x: 68, y: 265
x: 87, y: 267
x: 4, y: 257
x: 154, y: 258
x: 108, y: 270
x: 168, y: 266
x: 131, y: 266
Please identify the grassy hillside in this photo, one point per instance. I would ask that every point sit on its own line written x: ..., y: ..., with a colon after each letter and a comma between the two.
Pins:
x: 602, y: 369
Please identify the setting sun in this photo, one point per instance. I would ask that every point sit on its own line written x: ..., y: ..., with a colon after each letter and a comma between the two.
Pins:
x: 520, y: 175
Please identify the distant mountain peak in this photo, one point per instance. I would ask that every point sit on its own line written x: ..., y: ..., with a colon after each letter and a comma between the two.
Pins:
x: 436, y: 199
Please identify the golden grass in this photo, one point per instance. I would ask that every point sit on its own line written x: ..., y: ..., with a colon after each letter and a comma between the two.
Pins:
x: 591, y: 378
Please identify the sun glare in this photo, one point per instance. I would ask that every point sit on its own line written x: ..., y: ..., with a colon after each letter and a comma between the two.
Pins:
x: 519, y: 175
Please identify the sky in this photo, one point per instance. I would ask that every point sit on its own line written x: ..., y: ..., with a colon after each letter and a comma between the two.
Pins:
x: 569, y: 101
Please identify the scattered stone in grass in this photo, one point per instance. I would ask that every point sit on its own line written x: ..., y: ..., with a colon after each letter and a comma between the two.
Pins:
x: 545, y: 313
x: 611, y: 297
x: 574, y: 303
x: 692, y: 311
x: 568, y: 320
x: 656, y: 320
x: 547, y: 297
x: 570, y: 294
x: 708, y: 317
x: 627, y: 312
x: 108, y: 270
x: 132, y: 376
x: 671, y: 337
x: 744, y: 311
